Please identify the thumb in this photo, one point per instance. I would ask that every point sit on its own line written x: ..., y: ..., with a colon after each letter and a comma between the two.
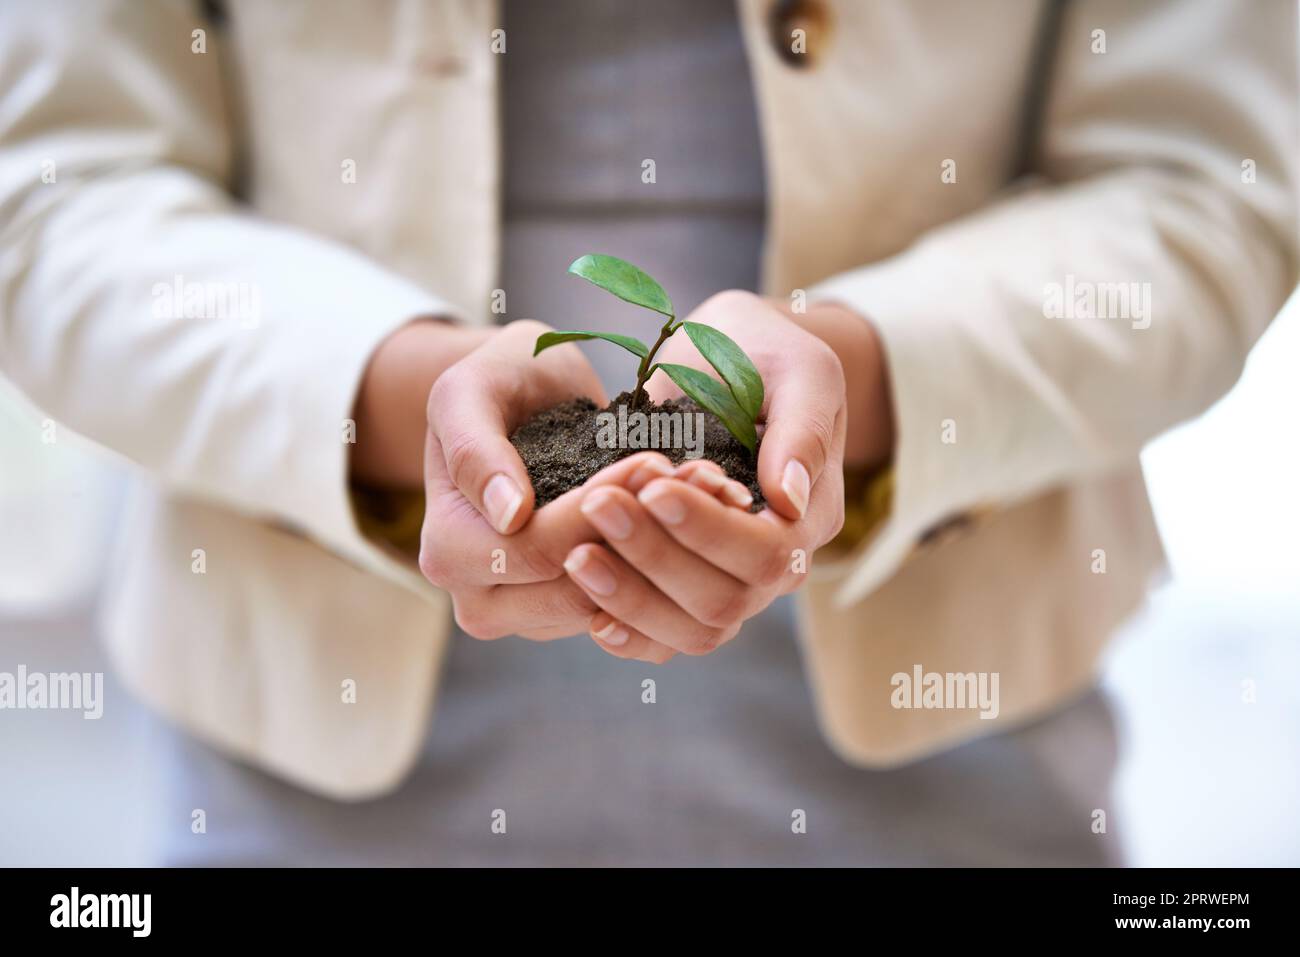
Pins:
x: 805, y: 423
x: 469, y: 427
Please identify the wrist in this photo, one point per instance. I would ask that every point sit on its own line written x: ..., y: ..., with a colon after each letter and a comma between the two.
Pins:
x: 389, y: 411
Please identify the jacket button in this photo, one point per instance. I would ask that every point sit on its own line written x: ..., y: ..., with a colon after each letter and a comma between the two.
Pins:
x: 799, y: 30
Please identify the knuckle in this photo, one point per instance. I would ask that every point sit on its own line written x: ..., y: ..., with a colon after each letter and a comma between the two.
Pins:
x: 772, y: 569
x: 821, y: 429
x: 527, y: 331
x: 704, y: 641
x: 819, y: 362
x: 725, y: 609
x: 529, y: 328
x: 823, y: 359
x: 573, y: 604
x: 444, y: 388
x: 632, y: 607
x: 461, y: 451
x: 474, y: 620
x: 729, y: 299
x: 837, y: 518
x: 651, y: 551
x: 433, y: 565
x: 537, y: 563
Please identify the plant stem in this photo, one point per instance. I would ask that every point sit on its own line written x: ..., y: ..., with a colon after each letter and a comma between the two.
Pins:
x: 643, y: 370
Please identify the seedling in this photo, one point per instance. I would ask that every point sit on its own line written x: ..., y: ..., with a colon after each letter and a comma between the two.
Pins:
x: 736, y: 401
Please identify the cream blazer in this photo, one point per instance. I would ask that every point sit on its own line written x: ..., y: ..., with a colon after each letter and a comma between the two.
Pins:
x: 141, y: 142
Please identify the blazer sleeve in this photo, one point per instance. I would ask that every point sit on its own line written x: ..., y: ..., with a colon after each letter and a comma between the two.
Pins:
x: 1053, y: 333
x: 115, y: 170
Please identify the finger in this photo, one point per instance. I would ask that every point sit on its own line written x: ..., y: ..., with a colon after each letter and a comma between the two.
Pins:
x: 633, y: 472
x: 616, y: 638
x: 627, y: 595
x: 460, y: 549
x: 470, y: 425
x: 710, y: 477
x: 753, y: 548
x: 653, y: 468
x: 705, y: 592
x: 560, y: 527
x: 803, y: 429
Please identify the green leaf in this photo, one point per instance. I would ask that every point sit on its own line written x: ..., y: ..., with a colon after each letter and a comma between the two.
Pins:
x: 548, y: 339
x: 623, y: 280
x: 715, y: 397
x: 732, y: 364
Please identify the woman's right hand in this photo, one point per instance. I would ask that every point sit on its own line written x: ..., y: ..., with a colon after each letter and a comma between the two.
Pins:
x: 475, y: 405
x: 502, y: 565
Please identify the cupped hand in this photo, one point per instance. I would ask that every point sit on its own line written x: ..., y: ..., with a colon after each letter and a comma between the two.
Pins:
x: 481, y: 541
x: 803, y: 413
x: 680, y: 568
x: 477, y: 491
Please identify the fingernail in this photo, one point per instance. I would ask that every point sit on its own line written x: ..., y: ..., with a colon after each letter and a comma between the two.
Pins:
x: 612, y: 634
x: 737, y: 494
x: 795, y: 483
x: 708, y: 479
x: 502, y: 499
x: 590, y: 573
x: 645, y: 474
x: 603, y: 512
x: 663, y: 504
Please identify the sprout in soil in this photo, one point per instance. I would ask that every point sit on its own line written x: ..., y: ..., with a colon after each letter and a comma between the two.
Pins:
x: 736, y: 401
